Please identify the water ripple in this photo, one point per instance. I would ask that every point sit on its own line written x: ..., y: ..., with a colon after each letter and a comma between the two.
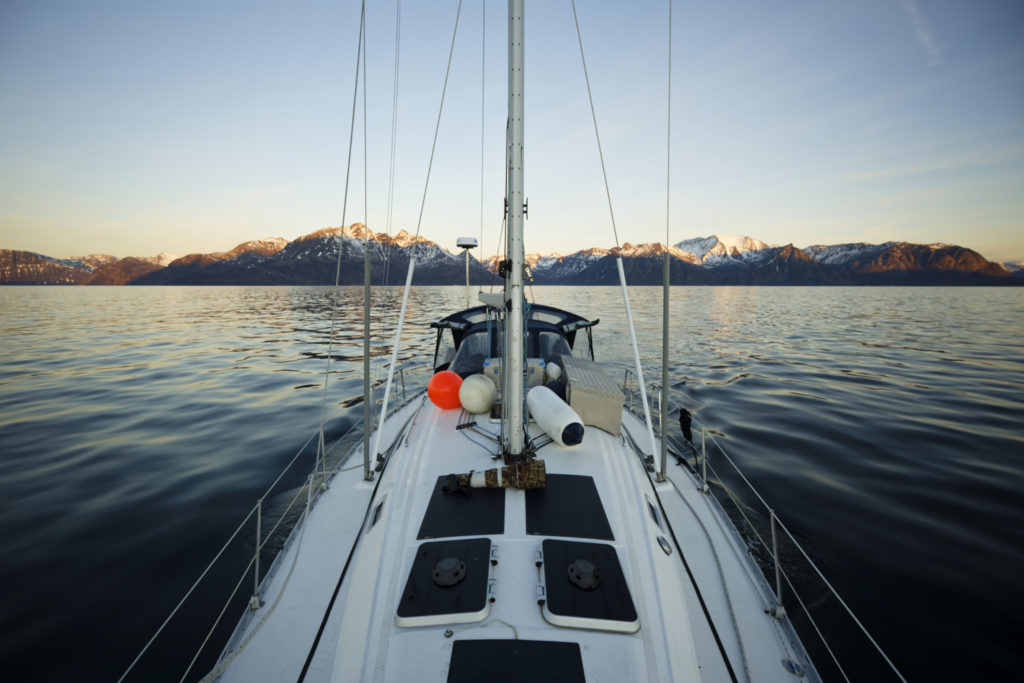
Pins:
x: 138, y: 425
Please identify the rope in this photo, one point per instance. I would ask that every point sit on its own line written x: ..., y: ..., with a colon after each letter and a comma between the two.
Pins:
x: 412, y: 259
x: 721, y: 574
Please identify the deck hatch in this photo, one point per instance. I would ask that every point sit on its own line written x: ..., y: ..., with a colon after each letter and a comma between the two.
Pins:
x: 568, y: 506
x: 585, y: 587
x: 448, y: 583
x: 480, y: 512
x: 509, y: 661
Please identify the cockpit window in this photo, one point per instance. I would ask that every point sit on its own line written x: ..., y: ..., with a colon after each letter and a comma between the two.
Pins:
x: 473, y: 351
x: 549, y: 345
x: 545, y: 317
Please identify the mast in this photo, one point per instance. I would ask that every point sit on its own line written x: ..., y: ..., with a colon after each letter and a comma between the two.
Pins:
x: 512, y: 391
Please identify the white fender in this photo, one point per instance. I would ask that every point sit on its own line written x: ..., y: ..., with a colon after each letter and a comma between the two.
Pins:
x: 477, y: 394
x: 552, y: 371
x: 554, y: 416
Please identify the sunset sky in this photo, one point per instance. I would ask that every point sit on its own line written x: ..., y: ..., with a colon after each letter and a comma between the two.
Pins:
x: 135, y: 128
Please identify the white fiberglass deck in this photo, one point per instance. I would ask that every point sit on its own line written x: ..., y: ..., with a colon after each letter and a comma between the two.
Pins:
x: 364, y: 638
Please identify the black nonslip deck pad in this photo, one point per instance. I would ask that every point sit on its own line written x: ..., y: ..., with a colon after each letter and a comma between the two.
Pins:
x: 424, y: 597
x: 610, y: 600
x: 479, y: 513
x: 568, y: 506
x: 515, y: 661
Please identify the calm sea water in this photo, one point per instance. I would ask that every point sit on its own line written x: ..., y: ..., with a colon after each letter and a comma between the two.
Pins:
x: 139, y: 425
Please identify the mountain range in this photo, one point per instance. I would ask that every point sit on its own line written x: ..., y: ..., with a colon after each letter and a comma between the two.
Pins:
x: 716, y: 260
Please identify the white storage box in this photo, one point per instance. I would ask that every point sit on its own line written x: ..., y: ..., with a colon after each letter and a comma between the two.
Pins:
x: 534, y: 371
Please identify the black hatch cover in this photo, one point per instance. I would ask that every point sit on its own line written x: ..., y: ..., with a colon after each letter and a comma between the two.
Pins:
x: 515, y: 661
x: 470, y: 512
x: 447, y: 578
x: 585, y: 587
x: 569, y: 506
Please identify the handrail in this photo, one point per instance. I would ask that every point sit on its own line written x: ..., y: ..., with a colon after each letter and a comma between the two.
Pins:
x: 397, y: 405
x: 627, y: 387
x: 220, y: 552
x: 818, y: 571
x: 771, y: 546
x: 186, y: 596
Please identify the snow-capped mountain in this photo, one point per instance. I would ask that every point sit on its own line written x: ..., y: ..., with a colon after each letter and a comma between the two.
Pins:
x: 705, y: 248
x: 883, y: 263
x: 94, y: 261
x: 845, y: 254
x: 313, y: 259
x: 264, y: 247
x: 30, y: 268
x: 1015, y: 267
x: 559, y: 269
x: 742, y: 260
x: 714, y: 260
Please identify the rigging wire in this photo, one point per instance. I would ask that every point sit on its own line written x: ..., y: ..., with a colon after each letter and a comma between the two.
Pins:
x: 321, y: 449
x: 498, y: 253
x: 618, y: 258
x: 367, y: 270
x: 483, y: 108
x: 668, y: 133
x: 377, y: 356
x: 666, y: 263
x: 394, y: 134
x: 415, y: 248
x: 593, y: 116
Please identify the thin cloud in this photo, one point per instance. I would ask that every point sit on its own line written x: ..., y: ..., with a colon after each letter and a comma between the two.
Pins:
x: 989, y: 156
x: 924, y: 32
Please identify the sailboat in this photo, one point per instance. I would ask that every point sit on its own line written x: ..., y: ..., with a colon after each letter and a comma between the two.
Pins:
x: 512, y: 523
x: 507, y: 533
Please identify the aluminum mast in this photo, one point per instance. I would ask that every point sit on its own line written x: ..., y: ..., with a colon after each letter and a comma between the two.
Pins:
x: 513, y: 362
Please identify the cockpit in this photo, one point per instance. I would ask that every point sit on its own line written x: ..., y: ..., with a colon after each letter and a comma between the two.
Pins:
x: 474, y: 337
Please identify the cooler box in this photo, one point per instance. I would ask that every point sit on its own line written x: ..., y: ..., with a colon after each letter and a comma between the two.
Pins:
x: 593, y: 394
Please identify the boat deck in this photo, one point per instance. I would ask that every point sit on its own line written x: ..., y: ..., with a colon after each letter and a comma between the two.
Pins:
x: 594, y: 561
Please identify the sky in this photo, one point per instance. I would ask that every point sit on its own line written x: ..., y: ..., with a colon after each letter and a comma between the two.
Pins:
x: 138, y: 128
